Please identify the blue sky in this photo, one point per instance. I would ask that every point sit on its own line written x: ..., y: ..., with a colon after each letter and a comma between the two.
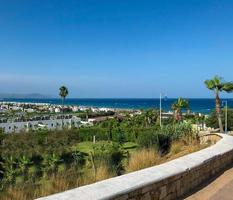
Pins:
x: 115, y: 48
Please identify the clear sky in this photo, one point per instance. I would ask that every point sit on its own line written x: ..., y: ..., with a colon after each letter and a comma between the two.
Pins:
x: 115, y: 48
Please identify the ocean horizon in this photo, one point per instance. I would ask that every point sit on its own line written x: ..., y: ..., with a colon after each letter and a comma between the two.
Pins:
x: 198, y: 105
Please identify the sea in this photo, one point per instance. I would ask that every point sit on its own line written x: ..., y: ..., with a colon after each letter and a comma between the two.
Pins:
x: 197, y: 105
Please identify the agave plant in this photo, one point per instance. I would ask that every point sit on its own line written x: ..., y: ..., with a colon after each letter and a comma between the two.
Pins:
x: 9, y: 170
x: 50, y: 162
x: 23, y: 164
x: 218, y: 85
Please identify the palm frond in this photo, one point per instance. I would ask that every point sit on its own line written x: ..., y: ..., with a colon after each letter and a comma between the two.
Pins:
x: 228, y: 87
x: 210, y: 84
x: 63, y: 91
x: 218, y: 80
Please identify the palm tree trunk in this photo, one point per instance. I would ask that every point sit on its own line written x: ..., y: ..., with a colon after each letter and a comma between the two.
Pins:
x: 180, y: 115
x: 176, y: 115
x: 218, y: 112
x: 62, y: 112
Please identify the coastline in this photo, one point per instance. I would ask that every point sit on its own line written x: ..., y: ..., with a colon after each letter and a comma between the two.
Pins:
x: 198, y: 105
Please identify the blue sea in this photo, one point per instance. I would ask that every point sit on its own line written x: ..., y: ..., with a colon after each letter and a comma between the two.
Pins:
x: 196, y: 105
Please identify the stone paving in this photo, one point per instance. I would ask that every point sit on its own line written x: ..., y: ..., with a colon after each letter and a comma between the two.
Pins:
x: 220, y: 188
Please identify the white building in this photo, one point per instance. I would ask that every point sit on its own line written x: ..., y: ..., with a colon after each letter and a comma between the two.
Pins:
x: 51, y: 109
x: 106, y: 109
x: 51, y: 124
x: 16, y: 108
x: 75, y: 109
x: 94, y: 109
x: 29, y: 110
x: 83, y: 108
x: 57, y: 110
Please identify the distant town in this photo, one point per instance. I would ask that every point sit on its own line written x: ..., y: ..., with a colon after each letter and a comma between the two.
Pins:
x: 17, y: 117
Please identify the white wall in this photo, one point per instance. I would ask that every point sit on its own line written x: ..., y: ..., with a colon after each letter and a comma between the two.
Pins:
x: 11, y: 127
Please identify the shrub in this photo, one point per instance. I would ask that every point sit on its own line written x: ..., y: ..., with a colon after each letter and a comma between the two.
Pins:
x: 87, y: 134
x: 109, y: 153
x: 212, y: 120
x: 147, y: 139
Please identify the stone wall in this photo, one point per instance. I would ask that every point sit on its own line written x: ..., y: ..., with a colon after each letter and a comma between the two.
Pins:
x: 163, y: 182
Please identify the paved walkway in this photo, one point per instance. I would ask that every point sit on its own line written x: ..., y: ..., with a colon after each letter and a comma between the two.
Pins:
x: 220, y: 188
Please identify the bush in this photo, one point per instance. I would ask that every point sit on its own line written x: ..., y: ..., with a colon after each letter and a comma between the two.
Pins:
x: 87, y: 134
x: 147, y: 139
x: 212, y: 120
x: 110, y: 154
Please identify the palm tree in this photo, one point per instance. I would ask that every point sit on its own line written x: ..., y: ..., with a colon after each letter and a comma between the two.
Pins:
x: 63, y: 94
x: 178, y: 106
x: 150, y: 117
x: 217, y: 84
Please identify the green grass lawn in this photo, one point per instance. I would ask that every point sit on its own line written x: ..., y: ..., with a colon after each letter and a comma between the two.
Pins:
x: 130, y: 145
x: 87, y: 147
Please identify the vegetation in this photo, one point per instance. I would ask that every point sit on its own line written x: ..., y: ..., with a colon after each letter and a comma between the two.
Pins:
x: 43, y: 162
x: 178, y: 106
x: 142, y: 159
x: 63, y: 94
x: 217, y: 84
x: 212, y: 120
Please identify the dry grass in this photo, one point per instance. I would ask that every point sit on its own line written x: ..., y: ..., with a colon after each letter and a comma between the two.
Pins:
x: 90, y: 176
x: 148, y: 157
x: 181, y: 148
x: 56, y: 183
x: 14, y: 193
x: 142, y: 159
x: 103, y: 172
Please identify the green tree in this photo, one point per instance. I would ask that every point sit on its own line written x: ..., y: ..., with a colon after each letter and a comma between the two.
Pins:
x: 63, y: 94
x: 217, y: 84
x: 42, y: 135
x: 150, y: 117
x: 178, y: 106
x: 212, y: 120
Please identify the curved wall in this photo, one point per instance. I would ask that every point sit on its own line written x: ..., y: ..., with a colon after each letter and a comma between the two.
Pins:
x: 167, y: 181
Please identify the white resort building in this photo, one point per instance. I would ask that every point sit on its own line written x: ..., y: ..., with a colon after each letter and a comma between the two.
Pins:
x: 50, y: 124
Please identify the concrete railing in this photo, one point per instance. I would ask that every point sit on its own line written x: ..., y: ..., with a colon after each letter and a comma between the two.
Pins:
x: 169, y: 180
